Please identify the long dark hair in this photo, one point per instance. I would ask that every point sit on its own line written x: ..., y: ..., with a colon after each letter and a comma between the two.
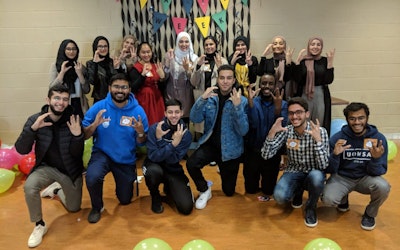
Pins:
x: 70, y: 76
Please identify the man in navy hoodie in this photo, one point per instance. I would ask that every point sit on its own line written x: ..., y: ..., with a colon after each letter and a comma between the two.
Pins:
x: 117, y: 123
x: 357, y: 161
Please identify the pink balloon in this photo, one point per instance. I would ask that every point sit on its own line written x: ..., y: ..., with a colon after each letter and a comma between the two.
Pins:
x: 8, y: 158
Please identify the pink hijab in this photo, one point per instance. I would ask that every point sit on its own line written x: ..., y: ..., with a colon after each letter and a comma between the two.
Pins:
x: 280, y: 71
x: 309, y: 62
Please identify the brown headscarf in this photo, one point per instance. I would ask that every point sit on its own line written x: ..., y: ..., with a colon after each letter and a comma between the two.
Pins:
x: 309, y: 62
x: 280, y: 71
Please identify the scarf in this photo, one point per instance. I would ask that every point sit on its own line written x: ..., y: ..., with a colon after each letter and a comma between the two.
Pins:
x: 309, y: 63
x: 280, y: 70
x: 180, y: 54
x: 70, y: 76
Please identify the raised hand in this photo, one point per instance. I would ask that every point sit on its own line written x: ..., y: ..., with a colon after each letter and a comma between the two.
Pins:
x: 301, y: 55
x: 202, y: 60
x: 236, y: 96
x: 276, y: 128
x: 315, y: 131
x: 268, y: 50
x: 377, y: 150
x: 248, y: 58
x: 178, y: 135
x: 96, y: 57
x: 218, y: 59
x: 160, y: 70
x: 330, y: 55
x: 277, y: 97
x: 64, y: 67
x: 289, y: 55
x: 340, y: 146
x: 235, y: 57
x: 138, y: 125
x: 99, y: 118
x: 74, y: 125
x: 159, y: 132
x: 252, y: 93
x: 209, y: 92
x: 40, y: 123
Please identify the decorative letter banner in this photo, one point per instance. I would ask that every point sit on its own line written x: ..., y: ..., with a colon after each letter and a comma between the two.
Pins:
x: 179, y: 24
x: 158, y: 20
x: 220, y: 19
x: 203, y: 5
x: 204, y: 24
x: 187, y: 4
x: 225, y: 4
x: 165, y: 5
x: 142, y: 3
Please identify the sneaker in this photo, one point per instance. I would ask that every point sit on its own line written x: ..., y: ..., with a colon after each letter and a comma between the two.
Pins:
x: 156, y: 205
x: 213, y: 164
x: 49, y: 191
x: 310, y: 218
x: 37, y: 235
x: 297, y: 201
x: 264, y: 198
x: 95, y: 215
x: 201, y: 202
x: 367, y: 222
x: 343, y: 207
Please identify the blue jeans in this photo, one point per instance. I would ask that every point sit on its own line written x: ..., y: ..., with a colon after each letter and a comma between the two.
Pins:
x: 124, y: 175
x: 292, y: 183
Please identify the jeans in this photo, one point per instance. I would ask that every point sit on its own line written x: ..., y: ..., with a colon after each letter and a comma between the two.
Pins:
x: 291, y: 182
x: 42, y: 177
x: 124, y: 175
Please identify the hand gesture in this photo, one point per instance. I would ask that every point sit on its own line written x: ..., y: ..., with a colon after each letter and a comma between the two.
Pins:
x: 178, y: 135
x: 186, y: 63
x: 377, y: 150
x: 78, y: 68
x: 201, y: 60
x: 99, y: 118
x: 74, y: 125
x: 314, y: 131
x: 236, y: 96
x: 159, y: 132
x: 276, y: 128
x: 40, y: 123
x: 138, y: 125
x: 330, y: 55
x: 209, y: 92
x: 218, y: 59
x: 168, y: 57
x: 278, y: 97
x: 301, y: 55
x: 248, y: 58
x: 64, y: 67
x: 289, y: 55
x: 125, y: 53
x: 146, y: 69
x: 132, y: 51
x: 160, y: 70
x: 96, y: 57
x: 268, y: 50
x: 252, y: 93
x: 235, y: 57
x: 340, y: 146
x: 117, y: 62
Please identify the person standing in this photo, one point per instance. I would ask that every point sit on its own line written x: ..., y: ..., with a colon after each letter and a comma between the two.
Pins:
x: 357, y: 162
x: 167, y: 143
x: 59, y: 143
x: 223, y: 110
x: 307, y: 146
x: 118, y: 124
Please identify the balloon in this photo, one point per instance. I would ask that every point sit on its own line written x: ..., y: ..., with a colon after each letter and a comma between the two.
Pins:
x: 152, y: 244
x: 87, y: 152
x: 26, y: 163
x: 6, y: 179
x: 336, y: 125
x: 322, y: 244
x: 392, y: 150
x: 198, y: 244
x: 8, y: 158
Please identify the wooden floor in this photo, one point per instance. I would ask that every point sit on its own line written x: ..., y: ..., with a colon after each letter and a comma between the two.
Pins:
x: 238, y: 222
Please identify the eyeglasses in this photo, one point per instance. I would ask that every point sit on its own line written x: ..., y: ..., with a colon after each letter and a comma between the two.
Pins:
x: 360, y: 118
x: 102, y: 46
x: 297, y: 112
x: 117, y: 87
x: 59, y: 98
x: 71, y: 49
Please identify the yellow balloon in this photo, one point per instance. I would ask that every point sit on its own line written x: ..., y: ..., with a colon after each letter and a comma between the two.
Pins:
x: 392, y: 150
x: 7, y: 178
x: 322, y: 244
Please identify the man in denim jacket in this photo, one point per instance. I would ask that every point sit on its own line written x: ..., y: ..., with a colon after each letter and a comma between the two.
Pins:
x: 223, y: 110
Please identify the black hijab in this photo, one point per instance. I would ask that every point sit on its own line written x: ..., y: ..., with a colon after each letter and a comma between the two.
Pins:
x: 70, y: 76
x: 107, y: 58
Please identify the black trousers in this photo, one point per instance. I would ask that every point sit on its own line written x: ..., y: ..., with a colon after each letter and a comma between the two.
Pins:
x: 228, y: 169
x: 257, y: 170
x: 176, y: 185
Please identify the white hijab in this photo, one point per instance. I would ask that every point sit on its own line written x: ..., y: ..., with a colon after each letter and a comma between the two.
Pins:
x: 179, y: 54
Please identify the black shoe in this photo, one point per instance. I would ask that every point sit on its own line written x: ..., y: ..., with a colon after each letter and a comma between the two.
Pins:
x: 310, y: 218
x: 95, y: 215
x: 156, y: 205
x: 343, y: 207
x: 367, y: 222
x: 297, y: 201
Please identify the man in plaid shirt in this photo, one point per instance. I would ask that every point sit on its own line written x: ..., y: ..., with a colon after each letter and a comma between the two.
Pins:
x: 308, y: 152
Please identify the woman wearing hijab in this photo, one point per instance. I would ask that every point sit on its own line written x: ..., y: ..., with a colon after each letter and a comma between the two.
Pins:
x: 179, y: 64
x: 147, y: 77
x: 68, y: 71
x: 313, y: 73
x: 280, y: 64
x: 100, y: 68
x: 245, y: 64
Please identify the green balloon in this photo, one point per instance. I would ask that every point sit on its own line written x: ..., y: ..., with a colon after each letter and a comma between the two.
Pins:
x: 87, y: 152
x: 322, y: 244
x: 392, y: 150
x: 7, y: 178
x: 198, y: 244
x: 152, y: 244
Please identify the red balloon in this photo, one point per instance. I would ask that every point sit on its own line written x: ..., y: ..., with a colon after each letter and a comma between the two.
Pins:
x: 26, y: 163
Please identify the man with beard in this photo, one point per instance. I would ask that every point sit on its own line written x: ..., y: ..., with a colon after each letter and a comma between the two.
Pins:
x: 263, y: 110
x: 59, y: 141
x: 167, y: 143
x: 118, y: 123
x: 223, y: 110
x: 357, y: 162
x: 307, y: 148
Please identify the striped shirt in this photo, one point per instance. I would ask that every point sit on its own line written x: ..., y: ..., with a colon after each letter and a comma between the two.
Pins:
x: 304, y: 153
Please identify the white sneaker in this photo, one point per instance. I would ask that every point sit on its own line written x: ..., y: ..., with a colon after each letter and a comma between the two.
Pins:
x: 37, y: 235
x: 49, y: 191
x: 201, y: 202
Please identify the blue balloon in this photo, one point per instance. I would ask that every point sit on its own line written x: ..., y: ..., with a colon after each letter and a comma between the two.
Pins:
x: 336, y: 125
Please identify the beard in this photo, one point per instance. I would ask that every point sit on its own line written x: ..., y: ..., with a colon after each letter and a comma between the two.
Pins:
x: 119, y: 100
x: 55, y: 112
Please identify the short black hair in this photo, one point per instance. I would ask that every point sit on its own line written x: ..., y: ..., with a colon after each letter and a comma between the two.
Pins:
x: 226, y: 67
x: 119, y: 76
x: 173, y: 102
x: 60, y: 88
x: 355, y: 106
x: 300, y: 101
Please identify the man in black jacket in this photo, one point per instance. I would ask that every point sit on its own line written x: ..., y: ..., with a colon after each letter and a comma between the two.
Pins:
x: 59, y: 143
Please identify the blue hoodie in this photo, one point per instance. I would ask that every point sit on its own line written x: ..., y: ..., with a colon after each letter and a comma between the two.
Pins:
x: 116, y: 140
x: 356, y: 162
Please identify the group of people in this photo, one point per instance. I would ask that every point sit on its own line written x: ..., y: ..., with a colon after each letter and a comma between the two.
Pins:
x: 138, y: 101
